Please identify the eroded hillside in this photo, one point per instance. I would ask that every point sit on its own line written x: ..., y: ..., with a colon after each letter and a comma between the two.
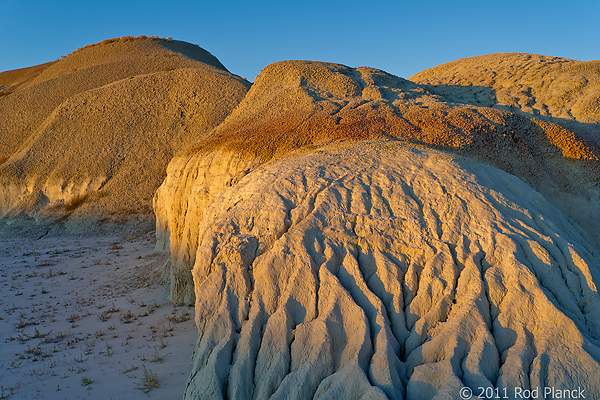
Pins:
x: 382, y: 270
x: 301, y: 104
x: 328, y: 265
x: 88, y: 139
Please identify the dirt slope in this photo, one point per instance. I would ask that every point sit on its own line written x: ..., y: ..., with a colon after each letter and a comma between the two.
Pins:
x: 560, y: 89
x: 301, y: 105
x: 91, y: 135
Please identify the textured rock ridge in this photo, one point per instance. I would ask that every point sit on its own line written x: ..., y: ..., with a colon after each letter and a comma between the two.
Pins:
x: 295, y: 104
x: 108, y: 119
x: 301, y: 104
x: 564, y: 89
x: 337, y: 252
x: 383, y: 270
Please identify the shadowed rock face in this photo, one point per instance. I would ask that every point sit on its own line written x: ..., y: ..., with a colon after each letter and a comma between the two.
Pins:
x: 381, y: 270
x: 89, y: 138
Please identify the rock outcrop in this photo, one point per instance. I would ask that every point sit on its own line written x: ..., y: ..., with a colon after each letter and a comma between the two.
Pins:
x: 352, y: 235
x: 89, y: 137
x: 302, y: 104
x: 383, y: 270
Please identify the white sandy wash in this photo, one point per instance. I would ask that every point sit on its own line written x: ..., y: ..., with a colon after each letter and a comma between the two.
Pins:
x: 376, y: 270
x: 87, y: 318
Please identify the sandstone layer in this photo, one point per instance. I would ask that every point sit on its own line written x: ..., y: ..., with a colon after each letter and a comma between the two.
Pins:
x: 89, y: 137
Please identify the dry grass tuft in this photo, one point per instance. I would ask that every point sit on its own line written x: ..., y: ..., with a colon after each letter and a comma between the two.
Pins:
x: 149, y: 381
x: 75, y: 202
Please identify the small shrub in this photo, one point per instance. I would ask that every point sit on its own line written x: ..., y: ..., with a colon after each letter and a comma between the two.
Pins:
x: 7, y: 391
x: 39, y: 335
x: 74, y: 317
x: 81, y: 359
x: 156, y: 358
x: 128, y: 370
x: 149, y: 381
x: 126, y: 317
x: 104, y: 316
x: 113, y: 309
x: 175, y: 318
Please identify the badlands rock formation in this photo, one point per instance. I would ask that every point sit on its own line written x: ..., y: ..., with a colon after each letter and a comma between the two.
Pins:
x: 300, y: 104
x: 343, y: 233
x: 383, y: 270
x: 558, y: 88
x: 87, y: 138
x: 351, y: 236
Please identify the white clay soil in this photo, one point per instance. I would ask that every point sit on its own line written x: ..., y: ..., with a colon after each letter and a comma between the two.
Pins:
x: 88, y: 318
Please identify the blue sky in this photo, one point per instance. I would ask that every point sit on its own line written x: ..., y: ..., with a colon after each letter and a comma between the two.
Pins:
x: 400, y: 37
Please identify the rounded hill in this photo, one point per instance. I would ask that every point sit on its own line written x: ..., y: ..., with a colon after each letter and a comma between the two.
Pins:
x: 24, y: 110
x: 533, y: 84
x: 89, y: 138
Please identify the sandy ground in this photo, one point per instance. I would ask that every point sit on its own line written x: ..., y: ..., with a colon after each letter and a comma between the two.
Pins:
x: 89, y: 318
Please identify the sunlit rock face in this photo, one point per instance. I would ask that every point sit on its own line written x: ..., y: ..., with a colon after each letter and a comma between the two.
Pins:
x: 302, y: 105
x: 87, y: 140
x: 384, y: 270
x: 351, y: 234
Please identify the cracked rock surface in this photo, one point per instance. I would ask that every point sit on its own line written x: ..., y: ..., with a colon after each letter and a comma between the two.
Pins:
x: 375, y: 270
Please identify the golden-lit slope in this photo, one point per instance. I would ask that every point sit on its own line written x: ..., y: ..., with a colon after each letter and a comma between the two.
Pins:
x: 11, y: 80
x: 22, y: 111
x: 91, y: 136
x: 533, y: 84
x: 139, y: 50
x: 302, y: 105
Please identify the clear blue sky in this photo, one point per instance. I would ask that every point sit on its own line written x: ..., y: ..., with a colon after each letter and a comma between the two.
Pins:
x: 401, y: 37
